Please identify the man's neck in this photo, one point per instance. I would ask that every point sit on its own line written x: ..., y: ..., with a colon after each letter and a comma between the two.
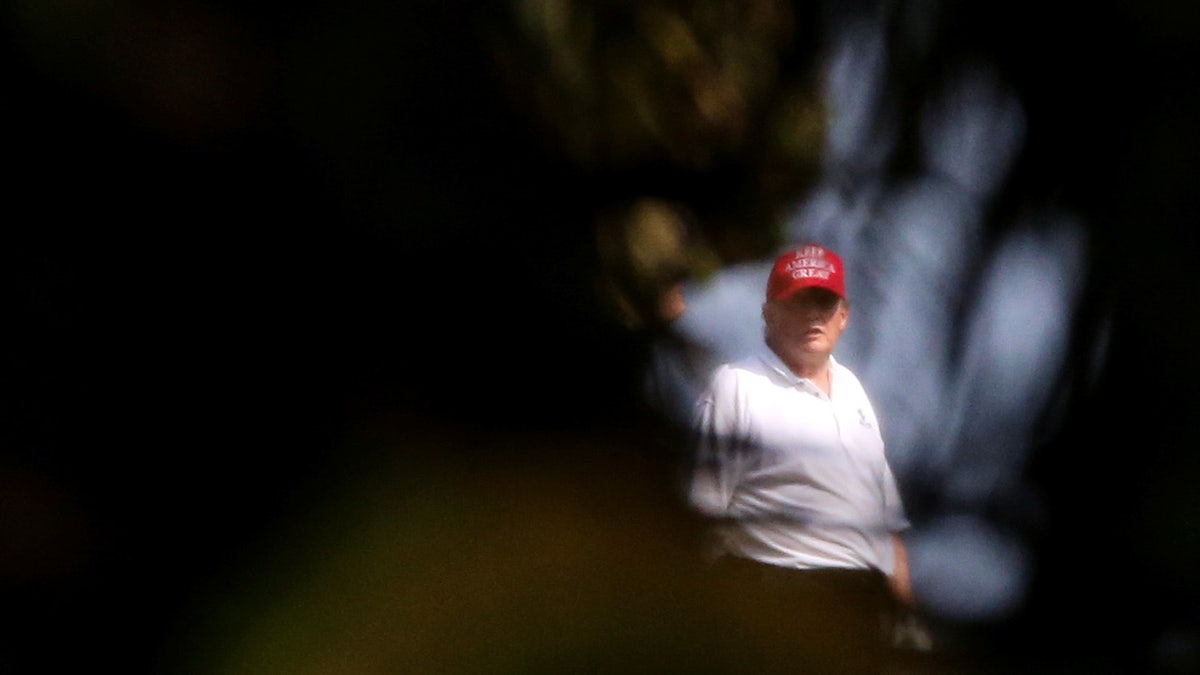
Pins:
x: 817, y: 369
x: 819, y: 374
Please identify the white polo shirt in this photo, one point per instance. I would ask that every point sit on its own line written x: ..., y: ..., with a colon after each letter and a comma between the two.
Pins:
x: 795, y: 477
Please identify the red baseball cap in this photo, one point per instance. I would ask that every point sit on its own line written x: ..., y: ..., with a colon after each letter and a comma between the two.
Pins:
x: 809, y: 266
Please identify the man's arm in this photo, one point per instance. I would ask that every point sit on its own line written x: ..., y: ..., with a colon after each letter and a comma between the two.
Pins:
x: 900, y: 580
x: 719, y: 451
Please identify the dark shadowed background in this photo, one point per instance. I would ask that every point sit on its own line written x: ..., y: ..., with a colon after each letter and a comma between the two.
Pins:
x: 278, y: 277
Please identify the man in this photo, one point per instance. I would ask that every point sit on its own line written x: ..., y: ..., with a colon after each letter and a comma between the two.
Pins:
x: 791, y: 466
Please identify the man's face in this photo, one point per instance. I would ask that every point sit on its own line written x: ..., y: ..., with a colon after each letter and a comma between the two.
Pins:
x: 807, y: 324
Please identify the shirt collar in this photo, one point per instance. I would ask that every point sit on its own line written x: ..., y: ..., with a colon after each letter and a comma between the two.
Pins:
x: 772, y: 360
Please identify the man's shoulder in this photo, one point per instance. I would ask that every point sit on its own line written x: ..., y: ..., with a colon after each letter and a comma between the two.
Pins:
x: 747, y: 363
x: 749, y: 367
x: 847, y: 377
